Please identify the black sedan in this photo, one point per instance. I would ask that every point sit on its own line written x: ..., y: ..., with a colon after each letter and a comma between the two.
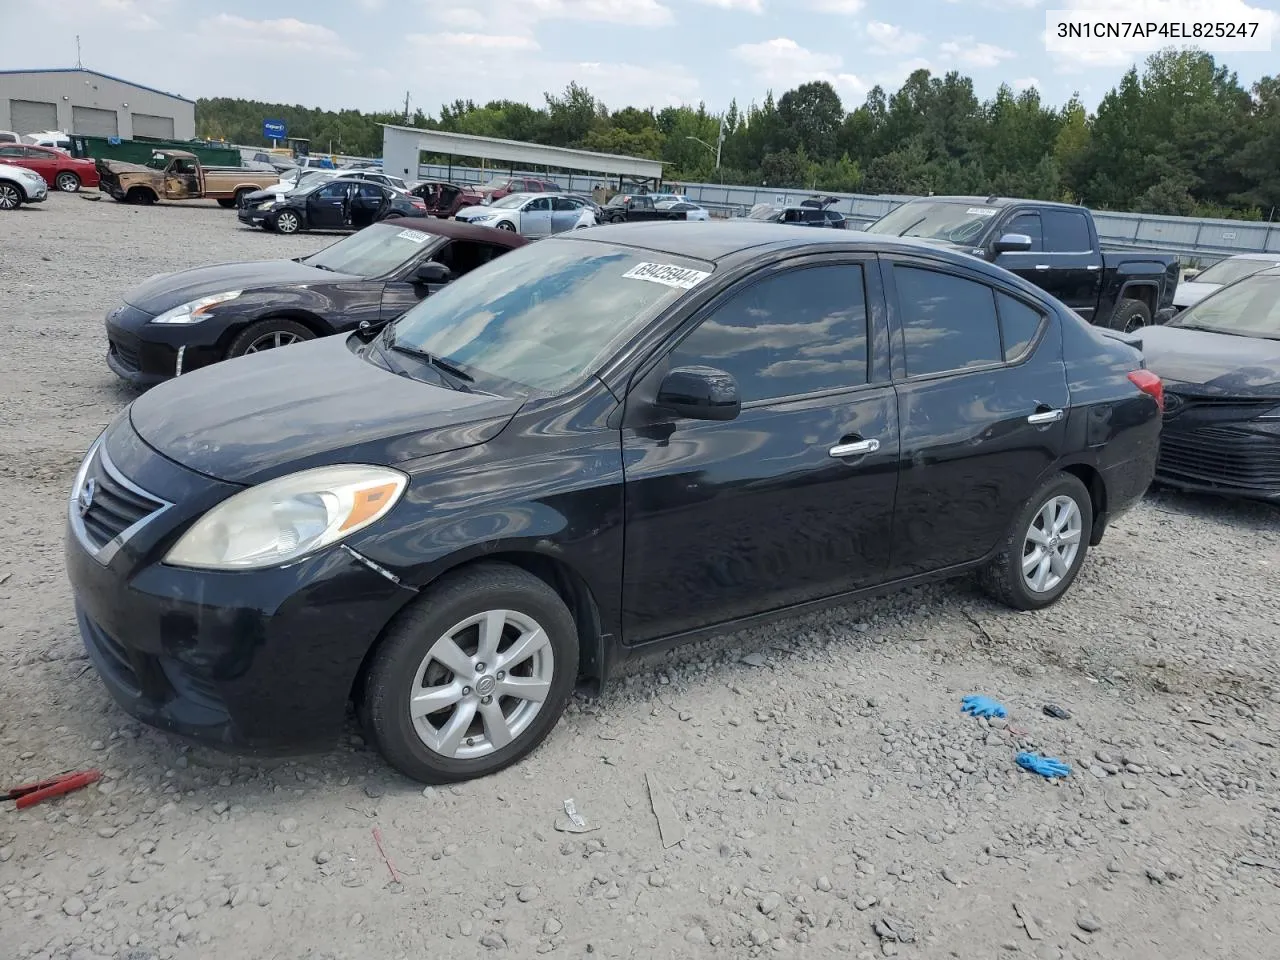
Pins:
x: 343, y: 204
x: 603, y: 443
x: 178, y: 322
x: 1220, y: 360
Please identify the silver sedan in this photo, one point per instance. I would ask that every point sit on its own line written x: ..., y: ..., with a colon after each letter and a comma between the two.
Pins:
x: 532, y: 215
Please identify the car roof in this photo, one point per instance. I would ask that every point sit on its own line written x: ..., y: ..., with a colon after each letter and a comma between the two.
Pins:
x: 997, y: 201
x: 456, y: 230
x: 1259, y: 255
x: 715, y: 241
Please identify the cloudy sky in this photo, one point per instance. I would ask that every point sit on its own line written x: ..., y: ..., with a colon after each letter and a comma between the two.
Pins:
x: 367, y: 53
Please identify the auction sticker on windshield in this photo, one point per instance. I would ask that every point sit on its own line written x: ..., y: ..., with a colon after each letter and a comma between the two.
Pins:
x: 667, y: 274
x: 981, y: 211
x: 413, y: 235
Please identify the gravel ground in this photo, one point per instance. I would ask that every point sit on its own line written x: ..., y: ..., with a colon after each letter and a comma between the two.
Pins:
x: 828, y: 792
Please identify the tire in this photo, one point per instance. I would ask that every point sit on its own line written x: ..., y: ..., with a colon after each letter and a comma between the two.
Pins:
x: 10, y: 196
x: 1129, y: 315
x: 286, y: 221
x: 226, y: 203
x: 267, y: 335
x: 405, y: 661
x: 507, y: 226
x: 140, y: 195
x: 67, y: 182
x: 238, y: 199
x: 1003, y: 578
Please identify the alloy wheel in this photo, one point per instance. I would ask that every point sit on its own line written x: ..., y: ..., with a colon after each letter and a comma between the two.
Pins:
x: 67, y: 182
x: 9, y: 198
x: 1051, y: 544
x: 504, y: 225
x: 481, y: 684
x: 269, y: 341
x: 287, y: 222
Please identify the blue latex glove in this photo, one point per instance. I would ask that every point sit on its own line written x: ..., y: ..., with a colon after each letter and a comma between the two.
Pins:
x: 1048, y: 767
x: 979, y: 706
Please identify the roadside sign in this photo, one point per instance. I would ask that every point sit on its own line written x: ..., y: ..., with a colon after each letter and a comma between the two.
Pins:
x: 273, y: 129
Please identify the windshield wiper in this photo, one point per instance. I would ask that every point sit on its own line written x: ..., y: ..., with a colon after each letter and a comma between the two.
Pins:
x: 321, y: 266
x: 454, y: 375
x: 913, y: 225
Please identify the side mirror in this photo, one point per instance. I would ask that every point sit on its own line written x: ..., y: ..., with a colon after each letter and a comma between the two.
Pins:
x: 700, y: 393
x: 432, y: 272
x: 1012, y: 243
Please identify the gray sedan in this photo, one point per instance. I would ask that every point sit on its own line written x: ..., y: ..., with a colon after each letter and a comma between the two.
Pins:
x: 532, y: 215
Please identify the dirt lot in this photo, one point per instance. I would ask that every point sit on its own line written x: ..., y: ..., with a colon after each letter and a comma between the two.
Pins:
x: 830, y: 793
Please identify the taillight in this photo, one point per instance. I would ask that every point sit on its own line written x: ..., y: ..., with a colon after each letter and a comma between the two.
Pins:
x: 1150, y: 384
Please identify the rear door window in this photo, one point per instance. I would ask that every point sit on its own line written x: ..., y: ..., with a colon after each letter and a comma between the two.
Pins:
x: 1066, y: 231
x: 948, y: 322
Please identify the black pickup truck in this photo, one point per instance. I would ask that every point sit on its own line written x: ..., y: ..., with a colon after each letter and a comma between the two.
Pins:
x: 1055, y: 246
x: 629, y: 207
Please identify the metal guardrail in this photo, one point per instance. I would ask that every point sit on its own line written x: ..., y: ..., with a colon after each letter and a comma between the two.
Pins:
x: 1192, y: 238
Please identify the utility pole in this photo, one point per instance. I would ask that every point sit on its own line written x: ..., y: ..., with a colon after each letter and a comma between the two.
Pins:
x: 79, y: 62
x: 406, y: 108
x: 719, y: 142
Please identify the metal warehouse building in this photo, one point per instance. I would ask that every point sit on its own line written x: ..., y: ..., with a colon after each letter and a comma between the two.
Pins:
x: 82, y: 101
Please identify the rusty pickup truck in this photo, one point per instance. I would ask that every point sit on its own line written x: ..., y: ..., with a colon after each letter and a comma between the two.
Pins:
x: 178, y: 175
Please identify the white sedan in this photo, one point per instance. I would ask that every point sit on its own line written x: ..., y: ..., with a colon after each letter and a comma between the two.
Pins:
x: 1191, y: 292
x: 691, y: 210
x: 531, y: 215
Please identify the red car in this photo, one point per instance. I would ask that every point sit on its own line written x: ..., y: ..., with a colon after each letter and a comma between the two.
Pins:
x: 59, y: 169
x: 444, y: 199
x: 499, y: 187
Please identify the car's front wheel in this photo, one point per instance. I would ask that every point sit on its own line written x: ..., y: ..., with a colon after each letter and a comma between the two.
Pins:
x: 506, y: 225
x: 472, y: 676
x: 1045, y: 547
x: 10, y: 196
x: 268, y: 335
x: 286, y: 221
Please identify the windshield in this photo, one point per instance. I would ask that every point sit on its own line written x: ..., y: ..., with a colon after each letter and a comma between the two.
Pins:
x: 510, y: 200
x: 158, y: 161
x: 372, y: 252
x: 761, y: 211
x: 1229, y: 271
x: 547, y: 314
x: 953, y: 222
x: 1249, y: 308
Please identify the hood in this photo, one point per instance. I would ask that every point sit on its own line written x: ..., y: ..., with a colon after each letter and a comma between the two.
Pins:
x: 1189, y: 292
x: 123, y: 166
x: 1222, y: 364
x: 264, y: 415
x: 168, y: 290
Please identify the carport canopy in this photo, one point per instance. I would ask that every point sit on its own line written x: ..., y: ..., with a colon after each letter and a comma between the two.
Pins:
x: 402, y: 149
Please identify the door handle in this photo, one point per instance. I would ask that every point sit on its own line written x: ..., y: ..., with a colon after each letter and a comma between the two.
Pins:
x: 1095, y: 266
x: 855, y: 449
x: 1042, y: 266
x: 1045, y: 416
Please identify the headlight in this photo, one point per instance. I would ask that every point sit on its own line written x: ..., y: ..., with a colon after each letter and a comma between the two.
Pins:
x: 289, y: 517
x: 484, y: 216
x: 196, y: 310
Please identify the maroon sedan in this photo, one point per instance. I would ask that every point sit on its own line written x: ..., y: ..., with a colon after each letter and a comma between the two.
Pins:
x: 59, y: 168
x: 443, y: 198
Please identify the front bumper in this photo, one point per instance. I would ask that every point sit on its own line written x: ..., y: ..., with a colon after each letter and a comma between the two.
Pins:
x: 261, y: 661
x: 36, y: 193
x: 145, y: 354
x: 254, y: 216
x: 1205, y: 452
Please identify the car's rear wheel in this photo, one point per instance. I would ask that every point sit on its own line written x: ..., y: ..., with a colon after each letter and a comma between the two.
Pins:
x: 67, y: 182
x: 1045, y: 547
x: 10, y: 196
x: 268, y: 335
x: 140, y: 195
x: 286, y: 221
x: 1130, y: 315
x: 240, y: 197
x: 227, y: 202
x: 472, y: 676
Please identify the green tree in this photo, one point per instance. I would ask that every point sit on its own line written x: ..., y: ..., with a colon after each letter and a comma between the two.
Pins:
x: 810, y: 116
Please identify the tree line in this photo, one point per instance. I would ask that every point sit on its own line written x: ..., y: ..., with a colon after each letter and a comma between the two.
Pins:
x: 1179, y: 136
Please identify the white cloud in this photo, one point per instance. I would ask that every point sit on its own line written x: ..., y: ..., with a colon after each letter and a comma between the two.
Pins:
x: 631, y: 12
x: 1172, y: 11
x: 479, y: 41
x: 747, y: 6
x: 782, y: 64
x: 1025, y: 83
x: 975, y: 54
x: 887, y: 38
x: 838, y: 6
x: 240, y: 35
